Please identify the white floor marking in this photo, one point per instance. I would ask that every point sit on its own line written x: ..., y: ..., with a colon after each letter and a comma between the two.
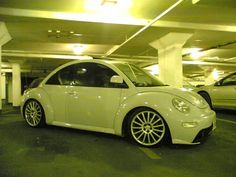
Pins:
x: 228, y: 121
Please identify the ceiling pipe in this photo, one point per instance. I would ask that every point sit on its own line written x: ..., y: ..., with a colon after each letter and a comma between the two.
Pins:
x: 212, y: 47
x: 52, y: 56
x: 113, y: 49
x: 185, y: 62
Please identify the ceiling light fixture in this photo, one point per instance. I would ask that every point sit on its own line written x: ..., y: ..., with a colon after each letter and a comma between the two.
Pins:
x: 78, y: 48
x: 109, y: 2
x: 77, y: 34
x: 153, y: 69
x: 195, y: 1
x: 196, y: 54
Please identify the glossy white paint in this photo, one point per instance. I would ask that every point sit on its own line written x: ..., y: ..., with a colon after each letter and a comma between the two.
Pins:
x: 104, y: 109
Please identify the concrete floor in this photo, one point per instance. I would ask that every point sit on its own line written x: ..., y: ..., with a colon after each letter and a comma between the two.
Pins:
x: 60, y: 152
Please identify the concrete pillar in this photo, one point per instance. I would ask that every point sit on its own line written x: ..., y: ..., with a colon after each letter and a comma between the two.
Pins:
x: 170, y: 57
x: 9, y: 90
x: 4, y: 38
x: 3, y: 86
x: 16, y: 84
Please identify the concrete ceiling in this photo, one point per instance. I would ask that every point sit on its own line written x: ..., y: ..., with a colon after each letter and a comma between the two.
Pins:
x: 212, y: 23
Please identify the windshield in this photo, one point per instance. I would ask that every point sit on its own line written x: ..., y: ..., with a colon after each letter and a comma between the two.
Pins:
x: 35, y: 83
x: 138, y: 76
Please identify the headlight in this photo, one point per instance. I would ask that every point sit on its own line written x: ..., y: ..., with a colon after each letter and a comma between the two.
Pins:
x: 180, y: 105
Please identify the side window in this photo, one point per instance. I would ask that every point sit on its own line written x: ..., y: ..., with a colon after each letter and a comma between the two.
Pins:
x: 94, y: 75
x: 230, y: 80
x: 103, y: 75
x: 62, y: 77
x: 85, y: 74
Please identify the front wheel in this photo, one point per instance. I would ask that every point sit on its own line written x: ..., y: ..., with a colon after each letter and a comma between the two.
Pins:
x: 146, y: 127
x: 34, y: 114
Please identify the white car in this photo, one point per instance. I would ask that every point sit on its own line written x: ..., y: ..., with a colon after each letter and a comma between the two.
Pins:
x: 221, y: 94
x: 118, y: 98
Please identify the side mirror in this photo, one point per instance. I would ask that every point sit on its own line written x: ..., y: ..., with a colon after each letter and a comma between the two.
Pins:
x: 116, y: 79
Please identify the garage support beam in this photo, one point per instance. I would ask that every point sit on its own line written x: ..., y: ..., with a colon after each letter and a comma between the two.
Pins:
x: 170, y: 57
x: 16, y: 84
x: 4, y: 38
x: 9, y: 90
x: 0, y: 79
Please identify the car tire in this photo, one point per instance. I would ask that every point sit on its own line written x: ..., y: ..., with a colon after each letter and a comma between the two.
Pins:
x: 147, y: 128
x: 207, y: 98
x: 34, y: 114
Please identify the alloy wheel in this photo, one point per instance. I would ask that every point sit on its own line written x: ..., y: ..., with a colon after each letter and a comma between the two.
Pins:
x: 33, y: 113
x: 147, y: 128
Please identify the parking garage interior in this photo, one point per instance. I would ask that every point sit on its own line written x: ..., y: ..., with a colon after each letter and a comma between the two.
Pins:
x: 185, y: 43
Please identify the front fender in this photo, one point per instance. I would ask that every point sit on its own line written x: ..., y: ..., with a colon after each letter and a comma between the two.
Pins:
x: 158, y: 101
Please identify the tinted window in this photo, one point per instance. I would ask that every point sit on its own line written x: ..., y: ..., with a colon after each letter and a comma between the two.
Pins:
x: 84, y: 74
x: 231, y: 80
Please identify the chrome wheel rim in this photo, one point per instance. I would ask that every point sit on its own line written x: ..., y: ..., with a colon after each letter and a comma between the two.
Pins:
x: 33, y: 113
x: 147, y: 128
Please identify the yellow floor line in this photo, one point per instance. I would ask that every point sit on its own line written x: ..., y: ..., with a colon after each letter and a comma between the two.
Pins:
x: 232, y: 122
x: 150, y: 153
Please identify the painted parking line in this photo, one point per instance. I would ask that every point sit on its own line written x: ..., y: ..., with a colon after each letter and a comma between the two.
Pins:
x: 148, y: 152
x: 228, y: 121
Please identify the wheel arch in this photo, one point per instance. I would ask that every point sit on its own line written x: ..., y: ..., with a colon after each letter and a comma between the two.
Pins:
x: 42, y: 99
x: 208, y: 99
x: 127, y: 116
x: 203, y: 91
x: 32, y: 99
x: 42, y: 120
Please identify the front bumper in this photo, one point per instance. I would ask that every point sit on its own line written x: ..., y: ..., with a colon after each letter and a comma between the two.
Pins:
x: 203, y: 134
x: 205, y: 124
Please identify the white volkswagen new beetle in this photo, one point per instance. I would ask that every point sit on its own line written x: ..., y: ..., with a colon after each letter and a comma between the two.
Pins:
x: 118, y: 98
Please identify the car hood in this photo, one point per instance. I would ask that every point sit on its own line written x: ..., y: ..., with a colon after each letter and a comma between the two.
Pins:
x: 185, y: 94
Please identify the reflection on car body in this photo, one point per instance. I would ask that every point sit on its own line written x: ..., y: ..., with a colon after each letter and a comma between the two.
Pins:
x: 118, y: 98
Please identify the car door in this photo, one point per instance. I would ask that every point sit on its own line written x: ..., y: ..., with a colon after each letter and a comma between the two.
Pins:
x: 57, y: 87
x: 93, y: 101
x: 224, y: 93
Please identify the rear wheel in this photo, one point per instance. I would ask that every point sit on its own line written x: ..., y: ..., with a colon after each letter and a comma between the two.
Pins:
x: 34, y: 114
x: 146, y: 127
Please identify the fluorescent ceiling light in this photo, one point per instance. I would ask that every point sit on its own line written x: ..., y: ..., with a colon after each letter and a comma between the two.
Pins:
x: 195, y: 1
x: 108, y: 8
x: 79, y: 49
x: 109, y: 2
x: 195, y: 53
x: 153, y: 69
